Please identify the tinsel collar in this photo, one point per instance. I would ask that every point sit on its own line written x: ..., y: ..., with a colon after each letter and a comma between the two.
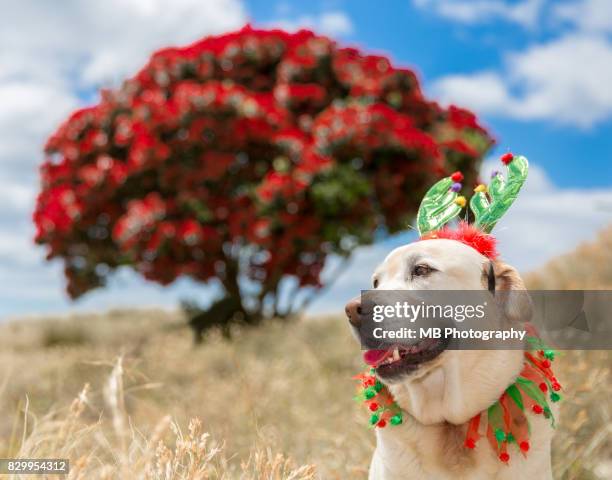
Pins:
x: 503, y: 423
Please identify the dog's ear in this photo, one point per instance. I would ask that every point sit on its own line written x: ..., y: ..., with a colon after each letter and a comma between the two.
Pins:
x: 505, y: 283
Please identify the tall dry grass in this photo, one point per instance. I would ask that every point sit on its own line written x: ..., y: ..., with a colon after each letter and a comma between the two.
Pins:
x: 111, y: 447
x: 276, y: 389
x: 280, y: 388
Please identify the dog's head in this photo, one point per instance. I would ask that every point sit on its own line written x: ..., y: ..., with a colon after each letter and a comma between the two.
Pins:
x: 431, y: 383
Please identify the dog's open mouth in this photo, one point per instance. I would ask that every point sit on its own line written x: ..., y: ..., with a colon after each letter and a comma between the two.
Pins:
x: 403, y: 359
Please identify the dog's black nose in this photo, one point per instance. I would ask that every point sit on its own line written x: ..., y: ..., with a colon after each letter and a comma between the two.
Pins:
x: 354, y: 312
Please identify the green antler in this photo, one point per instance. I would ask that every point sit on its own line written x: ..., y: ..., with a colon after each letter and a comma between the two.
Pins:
x: 440, y: 204
x: 502, y: 193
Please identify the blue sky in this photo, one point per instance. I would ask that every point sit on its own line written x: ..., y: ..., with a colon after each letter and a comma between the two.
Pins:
x: 538, y: 73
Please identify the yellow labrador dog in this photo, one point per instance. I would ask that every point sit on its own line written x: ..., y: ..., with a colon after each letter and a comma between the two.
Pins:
x: 442, y: 393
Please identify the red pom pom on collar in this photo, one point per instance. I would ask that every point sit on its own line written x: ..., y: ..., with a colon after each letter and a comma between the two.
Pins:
x: 469, y: 235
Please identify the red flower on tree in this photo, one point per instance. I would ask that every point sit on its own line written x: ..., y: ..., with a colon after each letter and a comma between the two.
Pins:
x: 247, y: 157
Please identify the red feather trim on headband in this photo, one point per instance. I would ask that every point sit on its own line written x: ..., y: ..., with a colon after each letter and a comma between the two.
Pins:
x: 469, y: 235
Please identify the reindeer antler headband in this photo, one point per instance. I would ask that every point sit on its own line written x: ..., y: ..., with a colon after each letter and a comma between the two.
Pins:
x: 489, y: 203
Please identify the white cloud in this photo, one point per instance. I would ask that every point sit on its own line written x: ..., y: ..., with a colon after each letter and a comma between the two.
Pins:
x: 484, y: 92
x: 16, y: 196
x: 99, y: 42
x: 333, y: 23
x: 588, y: 15
x: 565, y: 80
x: 525, y: 13
x: 15, y: 251
x: 30, y: 109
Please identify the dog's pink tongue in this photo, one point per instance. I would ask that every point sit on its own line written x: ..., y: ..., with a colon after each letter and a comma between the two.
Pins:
x: 374, y: 357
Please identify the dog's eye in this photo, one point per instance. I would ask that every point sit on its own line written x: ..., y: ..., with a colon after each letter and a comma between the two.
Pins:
x: 375, y: 283
x: 421, y: 270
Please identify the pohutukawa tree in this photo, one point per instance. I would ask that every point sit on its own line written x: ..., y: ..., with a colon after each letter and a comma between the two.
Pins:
x: 247, y: 158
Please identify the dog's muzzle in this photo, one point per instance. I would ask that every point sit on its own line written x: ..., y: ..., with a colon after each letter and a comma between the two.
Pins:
x: 354, y: 312
x: 398, y: 360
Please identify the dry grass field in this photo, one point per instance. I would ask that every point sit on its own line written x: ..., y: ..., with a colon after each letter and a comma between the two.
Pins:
x: 124, y: 395
x: 277, y: 389
x: 105, y: 391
